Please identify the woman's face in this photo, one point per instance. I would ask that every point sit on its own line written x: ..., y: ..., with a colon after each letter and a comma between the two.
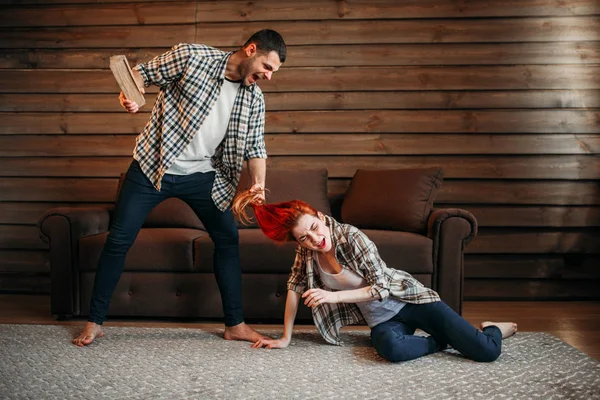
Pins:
x: 312, y: 233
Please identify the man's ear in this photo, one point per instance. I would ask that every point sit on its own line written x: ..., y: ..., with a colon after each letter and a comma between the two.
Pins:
x: 250, y: 50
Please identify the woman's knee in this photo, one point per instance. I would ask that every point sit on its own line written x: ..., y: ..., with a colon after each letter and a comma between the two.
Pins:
x: 487, y: 354
x: 391, y: 345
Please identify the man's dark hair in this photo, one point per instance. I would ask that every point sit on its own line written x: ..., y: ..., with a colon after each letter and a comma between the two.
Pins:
x: 267, y: 41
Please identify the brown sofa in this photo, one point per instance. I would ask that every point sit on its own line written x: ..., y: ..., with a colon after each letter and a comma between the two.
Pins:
x: 168, y: 271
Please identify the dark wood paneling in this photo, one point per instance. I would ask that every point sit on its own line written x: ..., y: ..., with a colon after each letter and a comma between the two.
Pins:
x: 533, y: 216
x: 504, y: 192
x: 312, y: 144
x: 311, y: 32
x: 567, y: 266
x: 530, y: 289
x: 534, y: 241
x: 300, y: 101
x: 165, y: 12
x: 452, y: 191
x: 24, y: 261
x: 21, y: 237
x: 384, y: 121
x: 341, y: 55
x: 30, y: 213
x: 340, y: 79
x: 481, y: 167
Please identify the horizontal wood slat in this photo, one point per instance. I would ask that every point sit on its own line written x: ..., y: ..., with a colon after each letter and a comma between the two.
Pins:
x: 312, y: 144
x: 530, y: 289
x: 339, y: 79
x: 167, y: 12
x: 568, y: 266
x: 29, y: 213
x: 301, y: 101
x: 547, y: 29
x: 534, y: 241
x: 21, y: 237
x: 486, y: 215
x: 24, y: 261
x: 452, y: 192
x: 480, y: 167
x: 339, y: 55
x: 385, y: 121
x: 532, y: 216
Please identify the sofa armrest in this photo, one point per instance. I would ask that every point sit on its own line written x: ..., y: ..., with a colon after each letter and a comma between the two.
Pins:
x: 62, y: 228
x: 451, y: 230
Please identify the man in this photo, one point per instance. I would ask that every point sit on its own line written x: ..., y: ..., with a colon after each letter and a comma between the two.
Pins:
x: 208, y: 118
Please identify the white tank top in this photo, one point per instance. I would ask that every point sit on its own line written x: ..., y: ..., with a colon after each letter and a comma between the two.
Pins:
x: 374, y: 311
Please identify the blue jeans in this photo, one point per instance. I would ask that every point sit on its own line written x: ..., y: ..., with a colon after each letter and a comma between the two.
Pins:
x: 136, y: 199
x: 395, y: 341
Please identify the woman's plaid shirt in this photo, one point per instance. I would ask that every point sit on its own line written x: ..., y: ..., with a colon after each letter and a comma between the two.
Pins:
x: 353, y: 250
x: 190, y: 77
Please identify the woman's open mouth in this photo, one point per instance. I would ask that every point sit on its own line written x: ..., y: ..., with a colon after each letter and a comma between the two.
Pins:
x: 321, y: 244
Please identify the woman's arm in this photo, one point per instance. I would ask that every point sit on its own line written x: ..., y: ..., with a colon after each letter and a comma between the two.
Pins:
x: 291, y: 308
x: 314, y: 297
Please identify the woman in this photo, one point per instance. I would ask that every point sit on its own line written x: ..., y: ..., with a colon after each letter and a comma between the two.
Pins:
x: 340, y: 275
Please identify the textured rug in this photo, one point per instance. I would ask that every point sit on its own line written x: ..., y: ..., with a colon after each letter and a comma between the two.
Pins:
x: 39, y: 362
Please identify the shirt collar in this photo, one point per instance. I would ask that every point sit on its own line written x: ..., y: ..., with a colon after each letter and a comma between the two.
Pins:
x: 220, y: 66
x: 337, y: 233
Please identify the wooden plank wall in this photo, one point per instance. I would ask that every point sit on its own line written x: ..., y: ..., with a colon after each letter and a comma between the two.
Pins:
x: 504, y: 94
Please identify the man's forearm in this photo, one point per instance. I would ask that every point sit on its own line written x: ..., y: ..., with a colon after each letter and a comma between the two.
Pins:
x: 257, y: 168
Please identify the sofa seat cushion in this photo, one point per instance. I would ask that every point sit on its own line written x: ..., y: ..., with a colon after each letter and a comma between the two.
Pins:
x: 155, y: 249
x: 406, y: 251
x: 257, y: 253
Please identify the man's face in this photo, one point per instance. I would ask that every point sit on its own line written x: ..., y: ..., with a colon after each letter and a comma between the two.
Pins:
x: 312, y: 233
x: 259, y: 65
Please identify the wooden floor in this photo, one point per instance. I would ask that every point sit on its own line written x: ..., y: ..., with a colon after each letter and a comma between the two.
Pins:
x: 575, y: 322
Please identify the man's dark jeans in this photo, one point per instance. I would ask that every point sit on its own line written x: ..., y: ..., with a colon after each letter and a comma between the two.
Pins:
x: 136, y: 199
x: 395, y: 341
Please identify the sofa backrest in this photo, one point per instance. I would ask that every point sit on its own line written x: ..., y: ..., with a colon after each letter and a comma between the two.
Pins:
x: 283, y: 185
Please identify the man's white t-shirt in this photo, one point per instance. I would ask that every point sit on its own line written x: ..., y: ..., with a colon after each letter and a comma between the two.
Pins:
x: 196, y: 157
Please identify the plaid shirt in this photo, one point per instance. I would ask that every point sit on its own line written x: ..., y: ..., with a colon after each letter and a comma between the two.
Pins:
x: 190, y: 77
x: 353, y: 250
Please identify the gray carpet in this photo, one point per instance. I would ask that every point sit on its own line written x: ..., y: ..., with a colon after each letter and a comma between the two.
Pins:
x: 39, y: 362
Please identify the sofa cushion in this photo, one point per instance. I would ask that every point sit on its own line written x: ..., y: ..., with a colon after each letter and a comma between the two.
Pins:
x: 391, y: 199
x: 284, y: 185
x: 257, y: 253
x: 155, y: 249
x: 406, y: 251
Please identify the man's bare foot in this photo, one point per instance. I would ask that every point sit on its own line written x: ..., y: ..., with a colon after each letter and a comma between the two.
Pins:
x: 507, y: 328
x: 243, y: 332
x: 90, y: 332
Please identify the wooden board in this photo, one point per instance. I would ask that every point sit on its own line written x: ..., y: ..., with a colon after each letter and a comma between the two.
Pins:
x: 124, y: 77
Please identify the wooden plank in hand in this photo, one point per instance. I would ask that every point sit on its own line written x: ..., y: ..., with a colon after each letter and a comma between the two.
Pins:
x: 122, y: 72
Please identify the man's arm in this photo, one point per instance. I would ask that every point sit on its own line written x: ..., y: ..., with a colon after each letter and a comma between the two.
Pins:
x: 257, y: 168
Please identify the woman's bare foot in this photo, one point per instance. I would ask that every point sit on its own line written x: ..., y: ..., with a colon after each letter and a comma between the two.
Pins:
x: 90, y: 332
x: 507, y: 328
x: 243, y: 332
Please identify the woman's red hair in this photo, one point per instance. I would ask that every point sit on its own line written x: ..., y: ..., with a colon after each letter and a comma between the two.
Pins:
x: 276, y: 220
